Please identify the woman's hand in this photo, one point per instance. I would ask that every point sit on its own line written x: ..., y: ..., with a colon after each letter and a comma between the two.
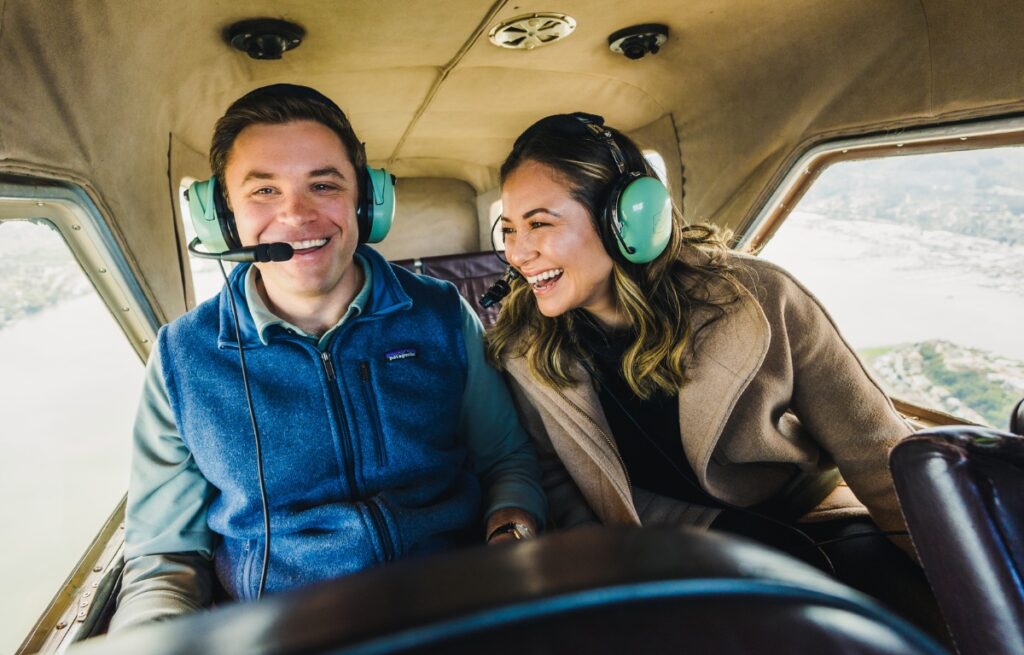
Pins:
x: 510, y: 524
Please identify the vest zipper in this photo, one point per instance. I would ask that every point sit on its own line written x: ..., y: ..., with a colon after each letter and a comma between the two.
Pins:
x: 382, y: 530
x: 597, y: 427
x: 371, y: 405
x: 247, y: 586
x: 346, y: 440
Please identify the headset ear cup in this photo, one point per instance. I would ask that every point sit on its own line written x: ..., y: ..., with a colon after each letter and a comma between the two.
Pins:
x: 608, y: 218
x: 645, y: 218
x: 214, y: 223
x: 376, y: 210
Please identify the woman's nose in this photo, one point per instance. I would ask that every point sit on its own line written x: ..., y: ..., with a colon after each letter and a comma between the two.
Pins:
x: 518, y: 251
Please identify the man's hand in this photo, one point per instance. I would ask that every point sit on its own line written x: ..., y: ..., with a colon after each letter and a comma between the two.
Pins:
x: 504, y: 517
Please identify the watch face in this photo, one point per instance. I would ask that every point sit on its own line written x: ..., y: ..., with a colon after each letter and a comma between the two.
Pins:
x: 519, y: 531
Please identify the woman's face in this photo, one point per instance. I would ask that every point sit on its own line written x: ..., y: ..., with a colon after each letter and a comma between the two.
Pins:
x: 551, y: 240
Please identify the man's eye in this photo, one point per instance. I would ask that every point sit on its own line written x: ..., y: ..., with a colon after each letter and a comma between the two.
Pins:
x: 263, y: 191
x: 324, y: 186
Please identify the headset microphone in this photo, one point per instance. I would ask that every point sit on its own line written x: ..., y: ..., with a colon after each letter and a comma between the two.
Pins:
x: 499, y: 289
x: 264, y: 252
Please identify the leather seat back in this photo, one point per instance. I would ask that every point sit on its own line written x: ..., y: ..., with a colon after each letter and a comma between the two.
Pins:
x: 961, y: 489
x: 472, y: 273
x: 1017, y: 418
x: 594, y: 591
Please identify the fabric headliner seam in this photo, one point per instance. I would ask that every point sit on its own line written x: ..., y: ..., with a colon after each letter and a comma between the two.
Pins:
x: 182, y: 257
x: 443, y: 75
x: 931, y: 60
x: 682, y: 166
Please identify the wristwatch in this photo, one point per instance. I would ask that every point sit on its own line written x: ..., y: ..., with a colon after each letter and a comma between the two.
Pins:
x: 519, y: 531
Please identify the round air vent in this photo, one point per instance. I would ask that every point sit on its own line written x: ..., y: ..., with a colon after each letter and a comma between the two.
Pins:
x: 532, y: 30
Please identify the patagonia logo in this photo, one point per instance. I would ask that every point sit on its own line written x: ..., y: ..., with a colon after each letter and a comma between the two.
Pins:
x: 402, y: 353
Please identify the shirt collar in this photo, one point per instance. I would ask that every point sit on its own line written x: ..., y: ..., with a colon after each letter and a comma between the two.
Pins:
x: 264, y: 319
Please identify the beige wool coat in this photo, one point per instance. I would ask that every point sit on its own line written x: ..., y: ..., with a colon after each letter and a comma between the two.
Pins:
x: 774, y: 392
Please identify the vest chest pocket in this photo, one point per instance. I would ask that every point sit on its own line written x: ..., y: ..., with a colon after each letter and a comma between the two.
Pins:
x: 370, y: 400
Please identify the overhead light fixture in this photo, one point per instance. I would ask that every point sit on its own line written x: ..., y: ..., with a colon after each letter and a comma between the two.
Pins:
x: 532, y: 31
x: 637, y: 41
x: 264, y: 38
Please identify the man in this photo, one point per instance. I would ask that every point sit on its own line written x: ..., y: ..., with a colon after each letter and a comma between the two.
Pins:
x: 382, y: 431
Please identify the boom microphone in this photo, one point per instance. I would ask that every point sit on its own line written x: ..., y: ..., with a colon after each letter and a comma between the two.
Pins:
x: 499, y: 289
x: 264, y: 252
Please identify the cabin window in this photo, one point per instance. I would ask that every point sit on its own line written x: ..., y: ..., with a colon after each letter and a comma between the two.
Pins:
x: 206, y: 276
x: 918, y: 259
x: 69, y: 386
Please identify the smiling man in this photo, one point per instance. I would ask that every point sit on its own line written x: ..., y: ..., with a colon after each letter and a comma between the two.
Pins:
x: 382, y: 431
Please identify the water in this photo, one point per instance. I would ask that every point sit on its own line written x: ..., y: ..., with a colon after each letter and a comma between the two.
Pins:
x: 887, y: 284
x: 69, y: 384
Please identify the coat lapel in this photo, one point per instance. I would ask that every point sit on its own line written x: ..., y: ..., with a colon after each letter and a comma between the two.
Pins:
x: 583, y: 431
x: 728, y: 355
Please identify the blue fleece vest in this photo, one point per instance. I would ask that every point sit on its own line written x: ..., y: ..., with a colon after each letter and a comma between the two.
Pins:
x: 360, y: 455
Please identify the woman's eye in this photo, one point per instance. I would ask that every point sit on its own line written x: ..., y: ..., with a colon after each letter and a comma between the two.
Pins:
x: 536, y: 224
x: 507, y: 231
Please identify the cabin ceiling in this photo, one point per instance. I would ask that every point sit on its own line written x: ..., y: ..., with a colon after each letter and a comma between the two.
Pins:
x: 98, y: 92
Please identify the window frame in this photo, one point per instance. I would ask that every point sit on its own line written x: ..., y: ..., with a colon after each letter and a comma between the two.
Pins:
x: 97, y: 251
x: 975, y: 135
x: 786, y: 196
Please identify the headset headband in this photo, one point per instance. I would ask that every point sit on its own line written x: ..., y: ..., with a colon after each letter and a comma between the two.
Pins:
x: 635, y: 217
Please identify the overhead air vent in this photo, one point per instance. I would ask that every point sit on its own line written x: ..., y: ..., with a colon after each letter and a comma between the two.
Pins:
x: 532, y: 31
x: 264, y: 38
x: 638, y: 41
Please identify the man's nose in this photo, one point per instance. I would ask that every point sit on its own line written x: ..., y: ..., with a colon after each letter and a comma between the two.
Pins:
x: 297, y: 208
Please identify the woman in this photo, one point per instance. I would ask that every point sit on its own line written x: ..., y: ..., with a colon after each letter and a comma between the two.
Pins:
x: 667, y: 380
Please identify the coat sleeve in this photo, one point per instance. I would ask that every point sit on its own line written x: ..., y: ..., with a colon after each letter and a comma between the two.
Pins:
x: 566, y: 504
x: 838, y: 402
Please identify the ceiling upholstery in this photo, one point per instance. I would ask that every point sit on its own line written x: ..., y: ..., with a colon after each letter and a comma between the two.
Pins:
x: 95, y: 91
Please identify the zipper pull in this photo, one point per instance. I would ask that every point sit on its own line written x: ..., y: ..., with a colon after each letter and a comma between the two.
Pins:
x: 328, y: 366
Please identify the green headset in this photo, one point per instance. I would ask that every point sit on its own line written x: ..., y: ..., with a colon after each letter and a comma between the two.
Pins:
x: 636, y: 221
x: 215, y: 223
x: 215, y: 227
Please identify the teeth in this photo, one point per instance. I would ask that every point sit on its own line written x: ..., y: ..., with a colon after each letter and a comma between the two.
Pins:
x: 546, y: 275
x: 308, y: 243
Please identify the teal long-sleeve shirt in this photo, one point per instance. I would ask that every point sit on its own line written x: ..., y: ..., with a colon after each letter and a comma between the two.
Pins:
x: 168, y: 497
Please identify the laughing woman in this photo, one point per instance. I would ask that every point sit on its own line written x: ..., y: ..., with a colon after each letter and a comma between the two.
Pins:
x: 667, y: 380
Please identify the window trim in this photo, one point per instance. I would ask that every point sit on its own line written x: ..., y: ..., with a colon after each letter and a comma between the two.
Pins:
x: 949, y: 138
x: 93, y: 245
x: 943, y: 138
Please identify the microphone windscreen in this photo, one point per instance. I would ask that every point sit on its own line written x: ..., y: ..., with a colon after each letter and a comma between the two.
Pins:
x: 274, y: 252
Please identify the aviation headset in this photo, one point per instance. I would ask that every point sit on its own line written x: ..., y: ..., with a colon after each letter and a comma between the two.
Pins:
x: 635, y: 221
x: 214, y: 221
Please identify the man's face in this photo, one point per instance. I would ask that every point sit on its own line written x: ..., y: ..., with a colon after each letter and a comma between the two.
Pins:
x: 294, y: 182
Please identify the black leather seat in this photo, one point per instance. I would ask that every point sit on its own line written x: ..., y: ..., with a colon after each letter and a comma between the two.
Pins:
x: 1017, y: 418
x: 585, y: 591
x: 472, y: 273
x: 962, y: 492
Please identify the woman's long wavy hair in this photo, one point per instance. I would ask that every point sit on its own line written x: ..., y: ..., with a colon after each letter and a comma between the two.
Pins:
x: 662, y: 299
